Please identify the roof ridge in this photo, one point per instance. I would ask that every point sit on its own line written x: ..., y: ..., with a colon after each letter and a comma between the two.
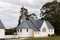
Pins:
x: 33, y: 24
x: 48, y: 23
x: 1, y: 25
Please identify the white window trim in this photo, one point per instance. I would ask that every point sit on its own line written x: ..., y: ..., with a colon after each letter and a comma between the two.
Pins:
x: 43, y: 30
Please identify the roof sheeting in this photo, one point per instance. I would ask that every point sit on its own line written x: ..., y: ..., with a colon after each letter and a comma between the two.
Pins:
x: 26, y: 24
x: 39, y: 23
x: 34, y: 24
x: 1, y: 25
x: 49, y: 25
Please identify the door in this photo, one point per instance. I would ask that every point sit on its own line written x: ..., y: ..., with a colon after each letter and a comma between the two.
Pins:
x: 32, y: 33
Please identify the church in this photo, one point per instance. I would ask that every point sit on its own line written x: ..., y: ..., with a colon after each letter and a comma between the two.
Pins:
x: 33, y: 27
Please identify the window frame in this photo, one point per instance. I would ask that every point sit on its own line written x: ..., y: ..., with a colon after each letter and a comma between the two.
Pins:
x: 37, y: 32
x: 17, y: 30
x: 43, y: 29
x: 20, y: 30
x: 27, y: 30
x: 51, y: 30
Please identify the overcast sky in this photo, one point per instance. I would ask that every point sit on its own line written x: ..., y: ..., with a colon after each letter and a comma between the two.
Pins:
x: 9, y: 10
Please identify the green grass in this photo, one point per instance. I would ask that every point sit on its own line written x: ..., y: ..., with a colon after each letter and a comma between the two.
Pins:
x: 49, y: 38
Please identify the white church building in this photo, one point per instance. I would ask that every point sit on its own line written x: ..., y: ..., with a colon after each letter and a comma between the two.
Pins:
x: 29, y: 28
x: 39, y: 28
x: 33, y: 27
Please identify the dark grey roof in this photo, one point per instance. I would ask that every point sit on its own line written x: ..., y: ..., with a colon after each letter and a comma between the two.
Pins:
x: 49, y: 25
x: 34, y: 24
x: 39, y: 23
x: 26, y: 24
x: 1, y: 25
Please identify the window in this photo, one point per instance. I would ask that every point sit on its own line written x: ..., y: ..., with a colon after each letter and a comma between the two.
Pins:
x: 44, y: 29
x: 27, y: 30
x: 20, y: 30
x: 51, y: 30
x: 37, y: 32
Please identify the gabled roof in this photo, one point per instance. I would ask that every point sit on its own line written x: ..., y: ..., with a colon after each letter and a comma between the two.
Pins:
x: 1, y: 25
x: 26, y: 24
x: 49, y: 25
x: 39, y: 23
x: 34, y: 24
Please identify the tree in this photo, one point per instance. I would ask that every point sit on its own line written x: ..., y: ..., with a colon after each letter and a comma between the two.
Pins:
x: 51, y: 12
x: 10, y: 31
x: 24, y: 15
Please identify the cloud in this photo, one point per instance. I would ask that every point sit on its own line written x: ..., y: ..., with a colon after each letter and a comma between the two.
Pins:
x: 9, y: 14
x: 29, y: 3
x: 10, y: 10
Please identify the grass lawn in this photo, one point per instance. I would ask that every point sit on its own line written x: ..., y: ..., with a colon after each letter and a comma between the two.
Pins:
x: 49, y: 38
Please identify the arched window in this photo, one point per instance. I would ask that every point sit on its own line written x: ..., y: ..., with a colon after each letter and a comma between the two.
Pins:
x: 44, y: 29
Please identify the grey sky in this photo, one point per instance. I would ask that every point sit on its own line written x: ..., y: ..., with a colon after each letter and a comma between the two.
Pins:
x: 9, y: 10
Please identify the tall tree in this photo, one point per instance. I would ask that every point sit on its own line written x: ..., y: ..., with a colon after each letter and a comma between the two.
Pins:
x: 24, y: 15
x: 51, y: 12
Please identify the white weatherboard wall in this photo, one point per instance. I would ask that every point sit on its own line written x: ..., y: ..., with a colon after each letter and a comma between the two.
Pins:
x: 51, y: 31
x: 48, y: 31
x: 37, y: 33
x: 44, y: 26
x: 2, y: 33
x: 24, y: 33
x: 40, y: 33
